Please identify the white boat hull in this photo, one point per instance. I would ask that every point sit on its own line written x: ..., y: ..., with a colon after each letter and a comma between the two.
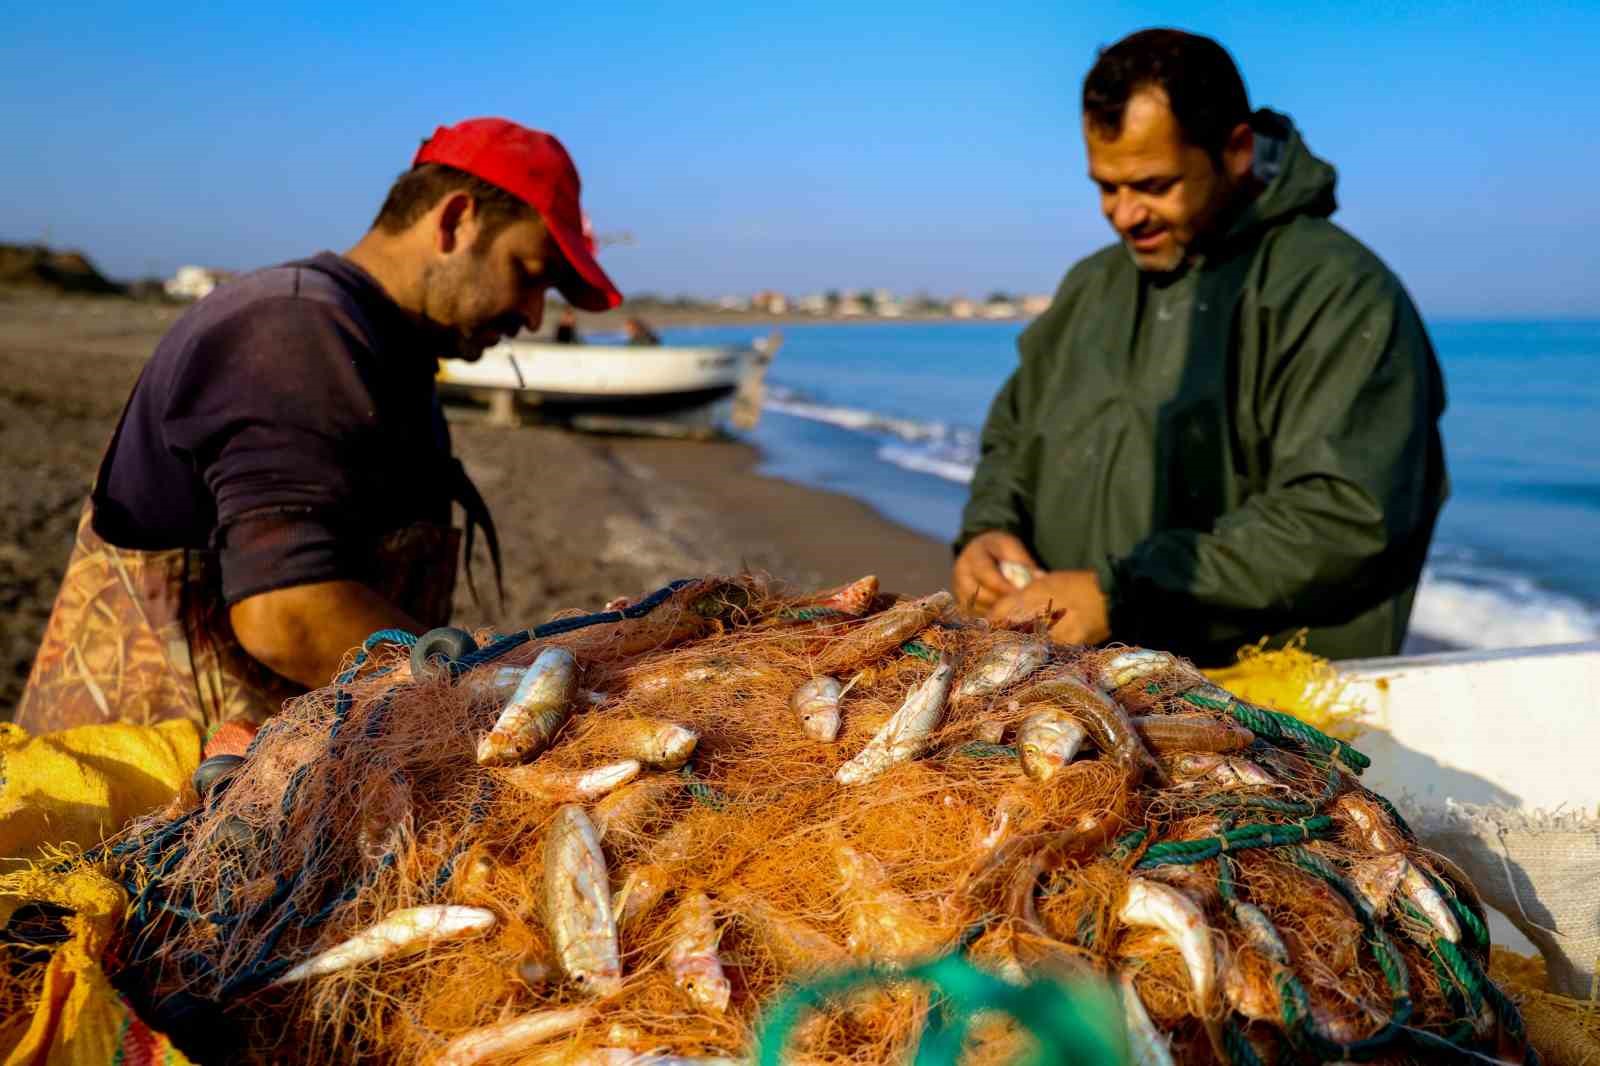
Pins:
x: 610, y: 379
x: 1516, y: 728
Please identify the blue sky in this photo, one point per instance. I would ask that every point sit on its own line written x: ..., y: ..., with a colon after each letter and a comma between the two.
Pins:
x: 842, y: 145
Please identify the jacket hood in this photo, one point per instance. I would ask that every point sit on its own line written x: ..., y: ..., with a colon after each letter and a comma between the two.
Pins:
x: 1297, y: 182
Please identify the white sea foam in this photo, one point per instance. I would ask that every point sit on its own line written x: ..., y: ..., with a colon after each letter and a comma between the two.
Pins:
x: 949, y: 465
x: 927, y: 447
x: 1491, y: 608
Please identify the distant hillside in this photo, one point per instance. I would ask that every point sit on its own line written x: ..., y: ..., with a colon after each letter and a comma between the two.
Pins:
x: 38, y: 267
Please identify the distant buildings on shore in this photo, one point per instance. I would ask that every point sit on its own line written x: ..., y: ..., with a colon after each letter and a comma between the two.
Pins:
x: 865, y: 303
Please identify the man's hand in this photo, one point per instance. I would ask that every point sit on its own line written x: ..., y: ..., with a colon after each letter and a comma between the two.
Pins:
x: 979, y: 585
x: 1071, y: 600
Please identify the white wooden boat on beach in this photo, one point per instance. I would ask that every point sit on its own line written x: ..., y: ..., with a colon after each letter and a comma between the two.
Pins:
x: 657, y: 388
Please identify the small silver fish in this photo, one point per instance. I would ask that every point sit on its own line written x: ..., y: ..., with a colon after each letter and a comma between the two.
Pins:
x: 1419, y: 889
x: 518, y: 1034
x: 627, y: 810
x: 577, y: 898
x: 1228, y: 771
x: 990, y: 731
x: 883, y: 923
x: 1008, y: 662
x: 793, y: 944
x: 1370, y: 822
x: 1019, y: 575
x: 1136, y: 665
x: 641, y: 890
x: 816, y: 704
x: 879, y: 633
x: 1047, y: 740
x: 692, y: 954
x: 1162, y: 907
x: 567, y: 786
x: 903, y: 736
x: 1376, y: 879
x: 1147, y: 1045
x: 402, y: 932
x: 719, y: 671
x: 1259, y: 932
x: 657, y: 743
x: 535, y: 713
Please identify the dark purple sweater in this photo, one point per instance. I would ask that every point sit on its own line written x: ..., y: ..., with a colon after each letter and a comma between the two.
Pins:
x: 286, y: 421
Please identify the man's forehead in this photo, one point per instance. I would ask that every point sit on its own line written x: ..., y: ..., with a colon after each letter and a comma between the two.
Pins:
x: 1149, y: 142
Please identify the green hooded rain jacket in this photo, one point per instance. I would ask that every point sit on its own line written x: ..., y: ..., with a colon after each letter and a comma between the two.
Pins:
x: 1239, y: 450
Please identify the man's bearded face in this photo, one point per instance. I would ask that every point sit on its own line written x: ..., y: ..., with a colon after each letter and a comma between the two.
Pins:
x: 489, y: 291
x: 1160, y: 194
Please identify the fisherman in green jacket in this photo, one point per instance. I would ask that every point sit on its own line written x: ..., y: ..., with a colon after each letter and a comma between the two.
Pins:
x: 1225, y: 427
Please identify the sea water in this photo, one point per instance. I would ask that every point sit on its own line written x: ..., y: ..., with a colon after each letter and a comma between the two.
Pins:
x: 890, y: 413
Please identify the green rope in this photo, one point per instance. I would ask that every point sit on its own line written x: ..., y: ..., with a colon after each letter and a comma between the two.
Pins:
x: 1227, y: 882
x: 1469, y: 975
x: 1275, y: 725
x: 1477, y: 933
x: 1240, y: 1051
x: 809, y: 614
x: 920, y: 650
x: 1127, y: 844
x: 1508, y: 1014
x: 1229, y: 801
x: 1303, y: 1030
x: 1462, y: 973
x: 1463, y: 1031
x: 1084, y: 934
x: 1261, y: 835
x: 1071, y: 1023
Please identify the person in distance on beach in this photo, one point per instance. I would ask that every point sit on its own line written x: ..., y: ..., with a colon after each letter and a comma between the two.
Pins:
x: 567, y: 328
x: 281, y: 482
x: 1225, y: 427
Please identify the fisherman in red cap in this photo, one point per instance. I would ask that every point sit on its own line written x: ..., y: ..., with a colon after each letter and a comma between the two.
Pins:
x: 280, y: 484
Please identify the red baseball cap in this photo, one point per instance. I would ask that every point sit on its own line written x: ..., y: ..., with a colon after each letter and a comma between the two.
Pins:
x: 532, y: 166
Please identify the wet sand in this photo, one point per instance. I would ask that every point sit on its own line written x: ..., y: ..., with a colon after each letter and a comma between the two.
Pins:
x: 582, y: 519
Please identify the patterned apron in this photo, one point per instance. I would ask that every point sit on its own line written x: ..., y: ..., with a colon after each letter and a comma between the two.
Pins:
x: 143, y: 636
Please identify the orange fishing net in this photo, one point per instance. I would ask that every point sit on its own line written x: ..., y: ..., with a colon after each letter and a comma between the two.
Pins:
x: 381, y: 880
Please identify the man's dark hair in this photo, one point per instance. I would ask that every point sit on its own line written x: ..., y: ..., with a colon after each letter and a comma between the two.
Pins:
x: 1202, y: 84
x: 419, y: 188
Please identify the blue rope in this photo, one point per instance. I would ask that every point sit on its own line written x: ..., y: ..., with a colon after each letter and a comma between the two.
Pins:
x: 506, y: 643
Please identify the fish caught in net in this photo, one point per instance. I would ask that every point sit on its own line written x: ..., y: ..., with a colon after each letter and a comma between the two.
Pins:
x: 623, y: 837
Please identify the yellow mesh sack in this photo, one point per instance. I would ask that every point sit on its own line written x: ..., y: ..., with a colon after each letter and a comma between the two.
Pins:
x: 75, y: 787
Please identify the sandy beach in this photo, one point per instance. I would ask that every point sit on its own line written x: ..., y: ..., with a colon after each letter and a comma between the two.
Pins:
x: 582, y: 519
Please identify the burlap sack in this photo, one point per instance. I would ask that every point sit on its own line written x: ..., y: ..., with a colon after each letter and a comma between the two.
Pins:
x: 1541, y: 870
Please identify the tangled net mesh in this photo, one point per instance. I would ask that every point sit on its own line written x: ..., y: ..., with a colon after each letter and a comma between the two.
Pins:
x: 1220, y: 858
